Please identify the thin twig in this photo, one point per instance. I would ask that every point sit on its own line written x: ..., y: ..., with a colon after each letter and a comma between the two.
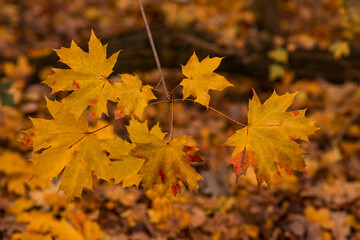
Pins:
x: 211, y: 108
x: 153, y: 48
x: 172, y: 118
x: 175, y: 88
x: 217, y: 111
x: 158, y: 90
x: 222, y: 114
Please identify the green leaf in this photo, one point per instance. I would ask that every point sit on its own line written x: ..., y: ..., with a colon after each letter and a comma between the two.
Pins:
x: 7, y: 99
x: 5, y: 86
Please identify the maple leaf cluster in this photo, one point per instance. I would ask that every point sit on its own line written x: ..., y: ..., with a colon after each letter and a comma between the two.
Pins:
x: 78, y: 144
x: 67, y: 144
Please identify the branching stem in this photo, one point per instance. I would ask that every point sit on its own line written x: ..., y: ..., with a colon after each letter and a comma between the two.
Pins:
x: 153, y: 48
x: 172, y: 119
x: 175, y: 88
x: 158, y: 90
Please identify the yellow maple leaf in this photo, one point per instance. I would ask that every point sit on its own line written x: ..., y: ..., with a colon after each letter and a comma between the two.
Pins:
x: 161, y: 207
x: 80, y: 150
x: 92, y: 231
x: 87, y: 78
x: 321, y: 216
x: 339, y: 49
x: 267, y: 143
x: 166, y: 160
x: 21, y: 205
x: 18, y: 172
x: 201, y: 78
x: 19, y: 74
x: 133, y: 96
x: 43, y: 225
x: 11, y: 122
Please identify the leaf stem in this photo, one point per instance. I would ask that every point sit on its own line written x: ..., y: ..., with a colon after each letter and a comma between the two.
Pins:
x: 175, y: 88
x: 158, y: 90
x: 172, y: 118
x: 222, y: 114
x: 153, y: 48
x: 215, y: 110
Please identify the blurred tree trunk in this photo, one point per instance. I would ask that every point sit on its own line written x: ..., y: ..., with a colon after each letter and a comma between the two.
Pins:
x: 21, y: 12
x: 267, y: 13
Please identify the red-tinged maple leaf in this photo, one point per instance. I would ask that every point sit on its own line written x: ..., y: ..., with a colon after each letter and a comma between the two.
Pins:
x: 162, y: 175
x: 165, y: 160
x: 191, y: 154
x: 242, y: 161
x: 87, y: 78
x: 175, y: 189
x: 266, y: 142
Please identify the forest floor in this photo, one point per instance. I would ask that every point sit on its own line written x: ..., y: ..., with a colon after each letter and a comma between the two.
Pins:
x: 320, y: 203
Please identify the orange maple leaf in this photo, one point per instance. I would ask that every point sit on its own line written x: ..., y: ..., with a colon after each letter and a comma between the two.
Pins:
x: 267, y: 143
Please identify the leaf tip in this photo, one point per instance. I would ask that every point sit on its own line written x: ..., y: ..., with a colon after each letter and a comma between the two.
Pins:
x: 92, y: 34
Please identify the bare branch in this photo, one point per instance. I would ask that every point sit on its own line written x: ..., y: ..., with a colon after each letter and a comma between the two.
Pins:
x: 158, y: 65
